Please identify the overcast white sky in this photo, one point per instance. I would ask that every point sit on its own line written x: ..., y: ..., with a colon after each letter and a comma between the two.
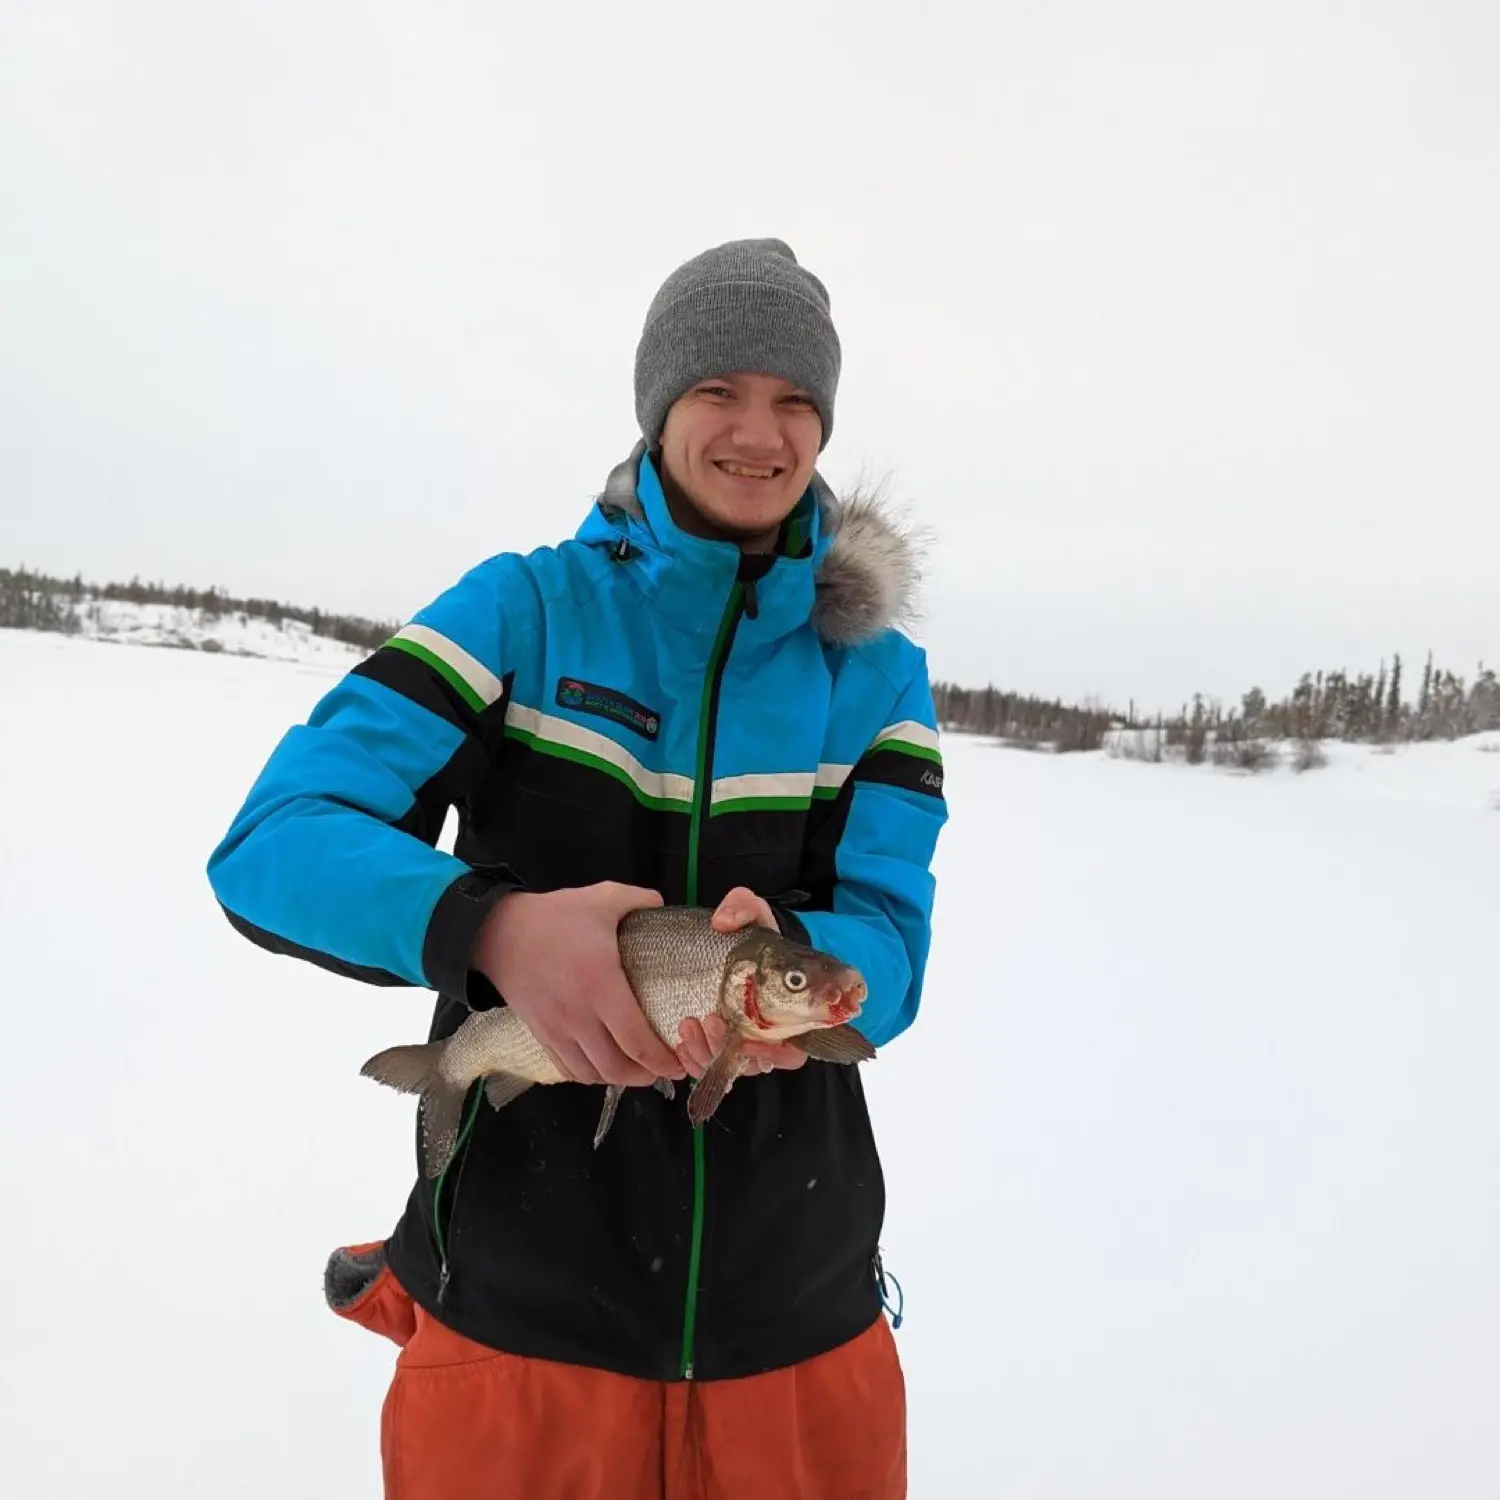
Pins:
x: 1177, y: 322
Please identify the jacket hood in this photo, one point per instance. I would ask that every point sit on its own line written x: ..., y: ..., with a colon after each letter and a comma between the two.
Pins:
x: 866, y: 564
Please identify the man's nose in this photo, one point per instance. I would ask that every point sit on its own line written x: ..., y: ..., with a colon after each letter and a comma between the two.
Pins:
x: 757, y: 428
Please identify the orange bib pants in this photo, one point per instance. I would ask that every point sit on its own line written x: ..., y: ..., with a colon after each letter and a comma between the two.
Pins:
x: 462, y: 1421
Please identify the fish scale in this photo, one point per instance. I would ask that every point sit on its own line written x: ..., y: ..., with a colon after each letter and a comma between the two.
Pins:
x: 667, y: 953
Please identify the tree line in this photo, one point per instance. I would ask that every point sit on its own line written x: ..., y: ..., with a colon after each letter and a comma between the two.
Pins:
x: 1371, y: 707
x: 36, y: 601
x: 1021, y: 720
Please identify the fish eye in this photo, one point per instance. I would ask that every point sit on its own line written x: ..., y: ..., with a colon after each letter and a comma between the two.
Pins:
x: 795, y: 979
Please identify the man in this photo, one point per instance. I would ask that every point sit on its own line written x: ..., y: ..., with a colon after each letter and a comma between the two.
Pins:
x: 701, y: 698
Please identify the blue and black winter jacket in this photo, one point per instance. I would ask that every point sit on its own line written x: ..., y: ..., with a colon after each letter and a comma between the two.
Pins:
x: 639, y: 705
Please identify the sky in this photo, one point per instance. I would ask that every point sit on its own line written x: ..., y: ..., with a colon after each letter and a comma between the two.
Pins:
x: 1173, y: 324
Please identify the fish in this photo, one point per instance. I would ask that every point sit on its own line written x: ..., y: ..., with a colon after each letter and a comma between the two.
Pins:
x: 765, y: 986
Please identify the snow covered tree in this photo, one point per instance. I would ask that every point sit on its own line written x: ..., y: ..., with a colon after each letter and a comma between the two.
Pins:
x: 1484, y: 701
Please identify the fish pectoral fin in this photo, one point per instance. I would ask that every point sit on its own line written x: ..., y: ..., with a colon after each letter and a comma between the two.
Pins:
x: 613, y: 1093
x: 835, y: 1044
x: 709, y: 1091
x: 666, y: 1088
x: 501, y: 1088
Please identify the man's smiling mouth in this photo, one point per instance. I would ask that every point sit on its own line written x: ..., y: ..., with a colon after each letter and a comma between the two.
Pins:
x: 747, y: 471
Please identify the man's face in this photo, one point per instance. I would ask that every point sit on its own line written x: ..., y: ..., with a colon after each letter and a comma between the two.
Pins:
x: 741, y: 449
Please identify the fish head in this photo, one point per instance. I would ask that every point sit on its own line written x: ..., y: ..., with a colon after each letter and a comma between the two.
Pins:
x: 775, y: 989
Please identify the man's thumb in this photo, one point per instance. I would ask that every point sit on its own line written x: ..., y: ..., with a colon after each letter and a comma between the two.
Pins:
x: 629, y: 898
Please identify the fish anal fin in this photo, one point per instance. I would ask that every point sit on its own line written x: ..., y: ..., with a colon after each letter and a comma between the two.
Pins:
x: 709, y: 1091
x: 501, y: 1088
x: 835, y: 1044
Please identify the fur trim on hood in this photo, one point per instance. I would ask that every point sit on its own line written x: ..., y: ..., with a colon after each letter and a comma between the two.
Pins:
x: 870, y: 568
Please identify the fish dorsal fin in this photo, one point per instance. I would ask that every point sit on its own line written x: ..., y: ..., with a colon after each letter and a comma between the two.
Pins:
x: 835, y: 1044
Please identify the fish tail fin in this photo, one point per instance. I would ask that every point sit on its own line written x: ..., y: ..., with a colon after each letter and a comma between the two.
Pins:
x: 442, y: 1115
x: 408, y: 1070
x: 415, y: 1070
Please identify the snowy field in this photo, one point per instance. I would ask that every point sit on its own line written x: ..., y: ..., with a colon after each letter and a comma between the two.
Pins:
x: 1193, y: 1156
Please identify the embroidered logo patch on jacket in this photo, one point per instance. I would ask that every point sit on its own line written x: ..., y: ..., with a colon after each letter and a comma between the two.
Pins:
x: 606, y: 703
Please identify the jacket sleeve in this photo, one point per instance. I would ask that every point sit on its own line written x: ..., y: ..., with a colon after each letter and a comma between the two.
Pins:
x: 880, y: 913
x: 332, y: 857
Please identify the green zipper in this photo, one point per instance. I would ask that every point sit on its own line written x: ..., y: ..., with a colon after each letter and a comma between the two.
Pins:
x: 702, y: 788
x: 437, y: 1193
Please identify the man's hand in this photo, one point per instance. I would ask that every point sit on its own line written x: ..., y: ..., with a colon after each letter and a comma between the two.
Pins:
x: 698, y: 1043
x: 555, y: 957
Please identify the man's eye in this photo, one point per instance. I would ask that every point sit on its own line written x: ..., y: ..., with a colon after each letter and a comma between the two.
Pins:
x: 715, y: 390
x: 799, y: 401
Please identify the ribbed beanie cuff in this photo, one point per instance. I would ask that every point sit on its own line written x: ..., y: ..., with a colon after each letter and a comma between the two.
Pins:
x: 742, y: 307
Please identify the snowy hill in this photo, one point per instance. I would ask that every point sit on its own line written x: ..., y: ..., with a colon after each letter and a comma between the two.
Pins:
x: 1191, y: 1158
x: 236, y: 634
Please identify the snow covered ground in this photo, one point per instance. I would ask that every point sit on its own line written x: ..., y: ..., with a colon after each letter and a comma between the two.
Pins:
x: 1194, y: 1155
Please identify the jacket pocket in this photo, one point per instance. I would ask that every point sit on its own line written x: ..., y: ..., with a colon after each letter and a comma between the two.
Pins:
x: 359, y: 1285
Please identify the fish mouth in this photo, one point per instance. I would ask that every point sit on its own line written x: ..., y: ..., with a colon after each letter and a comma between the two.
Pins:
x: 844, y: 997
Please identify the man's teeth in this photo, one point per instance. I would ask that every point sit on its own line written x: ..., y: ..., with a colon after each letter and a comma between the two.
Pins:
x: 746, y: 471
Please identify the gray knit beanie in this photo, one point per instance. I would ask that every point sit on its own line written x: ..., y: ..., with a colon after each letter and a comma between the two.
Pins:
x: 746, y: 306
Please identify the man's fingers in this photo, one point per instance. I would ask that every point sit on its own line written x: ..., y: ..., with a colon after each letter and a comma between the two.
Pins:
x: 693, y: 1051
x: 776, y: 1055
x: 633, y: 1035
x: 574, y: 1062
x: 611, y: 1062
x: 629, y: 1030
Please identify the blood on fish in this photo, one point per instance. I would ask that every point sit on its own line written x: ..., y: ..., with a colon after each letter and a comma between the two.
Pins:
x: 841, y: 1009
x: 752, y: 1003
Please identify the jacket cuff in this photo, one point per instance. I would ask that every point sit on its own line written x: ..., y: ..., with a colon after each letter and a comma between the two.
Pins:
x: 455, y: 922
x: 480, y: 994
